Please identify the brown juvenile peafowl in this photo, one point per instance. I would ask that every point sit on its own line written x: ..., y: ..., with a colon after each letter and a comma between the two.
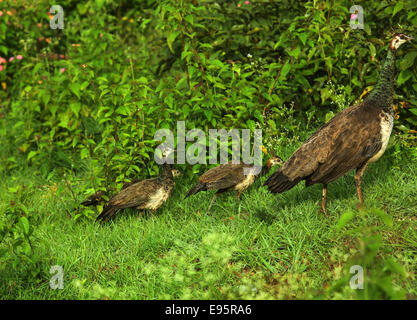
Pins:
x: 230, y: 176
x: 97, y: 198
x: 351, y: 140
x: 148, y: 194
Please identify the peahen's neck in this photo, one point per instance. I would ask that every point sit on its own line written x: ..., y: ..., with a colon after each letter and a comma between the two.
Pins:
x: 265, y: 170
x: 165, y: 171
x: 382, y: 95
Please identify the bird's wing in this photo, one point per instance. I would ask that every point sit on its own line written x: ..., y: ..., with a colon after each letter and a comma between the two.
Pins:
x: 135, y: 195
x: 225, y: 176
x: 342, y: 144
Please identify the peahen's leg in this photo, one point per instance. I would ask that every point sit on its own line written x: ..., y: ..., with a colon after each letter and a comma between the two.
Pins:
x: 323, y: 207
x: 212, y: 201
x: 358, y: 180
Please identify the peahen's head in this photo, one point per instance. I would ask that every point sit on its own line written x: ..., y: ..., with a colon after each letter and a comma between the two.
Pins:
x: 274, y: 161
x: 162, y: 155
x: 167, y: 152
x: 398, y: 40
x: 176, y: 173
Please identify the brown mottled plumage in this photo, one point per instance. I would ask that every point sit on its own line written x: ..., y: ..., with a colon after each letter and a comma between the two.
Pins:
x: 229, y: 176
x: 148, y: 194
x: 93, y: 200
x: 97, y: 197
x: 351, y: 140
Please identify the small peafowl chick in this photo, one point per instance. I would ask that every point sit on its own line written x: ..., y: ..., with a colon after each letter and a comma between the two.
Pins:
x: 148, y: 194
x: 97, y: 197
x: 230, y: 176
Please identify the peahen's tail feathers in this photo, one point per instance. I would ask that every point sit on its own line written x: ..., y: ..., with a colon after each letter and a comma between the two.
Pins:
x: 107, y: 213
x: 279, y: 182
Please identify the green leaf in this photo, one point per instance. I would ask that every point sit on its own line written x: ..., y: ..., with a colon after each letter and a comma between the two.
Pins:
x: 325, y: 93
x: 258, y: 115
x: 285, y: 69
x: 123, y: 110
x: 384, y: 216
x: 329, y: 116
x: 84, y: 85
x: 24, y: 225
x: 413, y: 111
x: 13, y: 189
x: 4, y: 50
x: 251, y: 125
x: 75, y: 108
x: 403, y: 77
x: 408, y: 60
x: 100, y: 3
x: 46, y: 98
x: 64, y: 117
x: 31, y: 155
x: 344, y: 219
x: 295, y: 53
x: 303, y: 37
x: 304, y: 82
x: 75, y: 88
x: 397, y: 7
x: 209, y: 114
x: 3, y: 252
x: 396, y: 267
x: 84, y: 153
x: 216, y: 62
x: 189, y: 19
x: 171, y: 38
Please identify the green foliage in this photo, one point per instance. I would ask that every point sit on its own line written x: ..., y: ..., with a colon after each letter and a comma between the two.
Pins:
x: 380, y: 274
x: 17, y: 250
x: 102, y: 91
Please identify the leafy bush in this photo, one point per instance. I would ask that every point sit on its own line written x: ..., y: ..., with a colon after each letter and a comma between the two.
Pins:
x: 18, y: 245
x: 102, y: 92
x: 382, y: 278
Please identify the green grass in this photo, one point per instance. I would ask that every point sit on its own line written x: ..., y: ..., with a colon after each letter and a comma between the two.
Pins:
x: 265, y: 246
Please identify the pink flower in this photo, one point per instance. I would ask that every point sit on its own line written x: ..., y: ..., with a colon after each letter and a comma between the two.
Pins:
x: 2, y: 60
x: 19, y: 57
x: 11, y: 59
x: 247, y: 2
x: 1, y: 67
x: 62, y: 70
x: 353, y: 16
x: 1, y: 13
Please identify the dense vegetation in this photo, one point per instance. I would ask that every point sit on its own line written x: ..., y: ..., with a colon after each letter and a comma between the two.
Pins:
x: 79, y: 108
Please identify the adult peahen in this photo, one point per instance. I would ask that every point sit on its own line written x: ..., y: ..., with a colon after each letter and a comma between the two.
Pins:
x: 351, y: 140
